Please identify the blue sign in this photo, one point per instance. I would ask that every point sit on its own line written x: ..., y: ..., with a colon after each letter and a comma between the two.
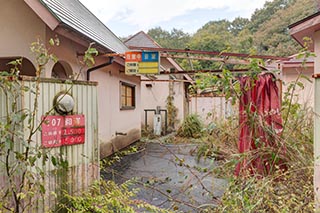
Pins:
x: 150, y: 57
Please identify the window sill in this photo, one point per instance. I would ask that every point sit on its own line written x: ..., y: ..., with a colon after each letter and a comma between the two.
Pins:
x: 127, y: 108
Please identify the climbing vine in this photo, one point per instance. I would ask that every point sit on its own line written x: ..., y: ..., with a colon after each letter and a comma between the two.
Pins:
x: 171, y: 108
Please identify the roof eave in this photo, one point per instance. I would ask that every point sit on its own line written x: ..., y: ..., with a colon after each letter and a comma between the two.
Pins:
x: 119, y: 60
x: 305, y: 28
x: 175, y: 64
x: 44, y: 14
x: 81, y: 39
x: 58, y: 26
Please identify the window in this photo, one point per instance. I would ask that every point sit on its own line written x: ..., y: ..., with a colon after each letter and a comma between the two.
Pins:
x: 127, y: 96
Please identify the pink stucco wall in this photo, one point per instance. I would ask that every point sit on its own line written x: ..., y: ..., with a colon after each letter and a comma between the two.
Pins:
x: 111, y: 118
x: 19, y: 31
x: 67, y: 52
x: 304, y: 95
x: 19, y: 28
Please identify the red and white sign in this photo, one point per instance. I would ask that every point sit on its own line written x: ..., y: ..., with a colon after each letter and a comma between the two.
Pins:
x: 63, y: 130
x: 134, y: 56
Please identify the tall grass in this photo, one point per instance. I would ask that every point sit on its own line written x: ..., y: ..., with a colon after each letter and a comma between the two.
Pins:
x: 280, y: 191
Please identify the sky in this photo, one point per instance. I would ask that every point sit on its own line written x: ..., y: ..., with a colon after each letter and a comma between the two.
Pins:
x: 127, y: 17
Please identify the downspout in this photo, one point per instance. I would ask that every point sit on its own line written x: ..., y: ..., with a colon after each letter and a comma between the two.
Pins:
x: 98, y: 67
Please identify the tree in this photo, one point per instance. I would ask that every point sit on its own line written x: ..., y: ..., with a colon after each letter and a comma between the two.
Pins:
x: 269, y: 9
x: 272, y: 37
x: 176, y: 38
x: 213, y: 36
x: 238, y: 24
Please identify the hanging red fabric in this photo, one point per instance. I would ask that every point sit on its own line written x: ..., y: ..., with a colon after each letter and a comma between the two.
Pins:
x: 260, y: 126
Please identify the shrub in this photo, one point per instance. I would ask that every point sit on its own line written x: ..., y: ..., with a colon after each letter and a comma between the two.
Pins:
x: 191, y: 127
x: 289, y: 191
x: 107, y: 196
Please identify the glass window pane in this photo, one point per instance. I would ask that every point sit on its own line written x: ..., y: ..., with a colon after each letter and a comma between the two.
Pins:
x: 123, y: 101
x: 123, y: 89
x: 129, y: 101
x: 127, y: 95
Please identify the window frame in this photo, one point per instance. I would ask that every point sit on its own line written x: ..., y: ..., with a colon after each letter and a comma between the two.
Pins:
x: 133, y: 96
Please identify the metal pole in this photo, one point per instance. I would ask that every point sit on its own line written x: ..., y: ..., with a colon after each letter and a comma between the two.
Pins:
x: 146, y: 117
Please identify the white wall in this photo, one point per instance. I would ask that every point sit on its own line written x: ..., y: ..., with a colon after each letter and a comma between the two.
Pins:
x: 20, y: 26
x: 317, y: 120
x: 157, y: 95
x: 210, y: 108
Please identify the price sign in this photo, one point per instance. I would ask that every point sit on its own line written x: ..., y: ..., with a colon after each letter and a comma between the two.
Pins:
x: 63, y: 130
x: 146, y: 62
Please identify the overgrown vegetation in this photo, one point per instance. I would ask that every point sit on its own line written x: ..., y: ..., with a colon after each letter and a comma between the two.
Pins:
x: 23, y: 160
x: 289, y: 191
x: 172, y: 112
x: 191, y: 127
x: 106, y: 196
x: 282, y: 190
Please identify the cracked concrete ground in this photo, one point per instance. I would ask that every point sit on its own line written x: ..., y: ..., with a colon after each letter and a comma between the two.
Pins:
x: 168, y: 176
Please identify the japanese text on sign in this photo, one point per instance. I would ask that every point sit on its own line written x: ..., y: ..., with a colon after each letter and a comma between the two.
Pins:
x: 142, y: 62
x: 133, y: 56
x: 62, y: 130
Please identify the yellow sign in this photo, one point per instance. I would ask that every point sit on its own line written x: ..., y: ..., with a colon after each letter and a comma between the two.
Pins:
x: 148, y: 67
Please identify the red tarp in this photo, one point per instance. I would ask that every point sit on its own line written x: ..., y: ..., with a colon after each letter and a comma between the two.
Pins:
x: 260, y: 125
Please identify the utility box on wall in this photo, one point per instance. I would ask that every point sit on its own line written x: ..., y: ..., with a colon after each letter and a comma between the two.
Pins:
x: 71, y: 135
x: 157, y: 124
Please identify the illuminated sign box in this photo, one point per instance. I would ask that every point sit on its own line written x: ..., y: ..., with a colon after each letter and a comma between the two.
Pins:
x: 142, y: 62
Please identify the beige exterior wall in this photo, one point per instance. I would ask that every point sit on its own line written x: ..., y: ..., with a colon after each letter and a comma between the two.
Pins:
x: 304, y: 96
x: 19, y: 31
x: 67, y: 52
x: 112, y: 119
x: 19, y: 28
